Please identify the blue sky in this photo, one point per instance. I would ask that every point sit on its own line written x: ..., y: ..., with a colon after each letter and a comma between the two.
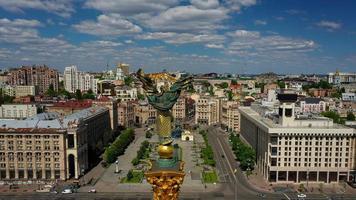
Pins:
x: 237, y: 36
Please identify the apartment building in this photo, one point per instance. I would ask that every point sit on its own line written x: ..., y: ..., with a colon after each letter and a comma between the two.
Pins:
x: 230, y: 116
x: 126, y: 114
x: 298, y: 150
x: 17, y: 111
x: 75, y: 80
x: 207, y: 110
x: 25, y: 90
x: 41, y: 76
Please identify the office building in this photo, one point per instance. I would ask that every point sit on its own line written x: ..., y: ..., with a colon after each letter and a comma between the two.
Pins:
x: 303, y: 149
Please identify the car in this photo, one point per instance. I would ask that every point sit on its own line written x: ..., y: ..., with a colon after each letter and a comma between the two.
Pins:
x: 92, y: 190
x: 261, y: 195
x: 67, y: 191
x: 301, y: 195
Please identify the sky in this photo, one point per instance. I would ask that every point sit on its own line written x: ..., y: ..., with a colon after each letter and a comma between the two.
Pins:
x: 199, y: 36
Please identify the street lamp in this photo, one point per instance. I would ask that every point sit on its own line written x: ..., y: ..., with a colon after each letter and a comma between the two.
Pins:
x: 117, y: 166
x: 82, y: 171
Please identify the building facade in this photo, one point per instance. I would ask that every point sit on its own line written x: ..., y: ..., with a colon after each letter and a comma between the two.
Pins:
x: 17, y: 111
x: 230, y: 116
x: 111, y: 104
x: 207, y: 110
x: 126, y: 114
x: 312, y: 105
x: 341, y: 78
x: 41, y: 76
x: 75, y: 80
x: 299, y: 150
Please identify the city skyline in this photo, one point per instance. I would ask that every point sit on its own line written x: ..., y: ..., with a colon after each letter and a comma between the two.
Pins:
x: 236, y: 36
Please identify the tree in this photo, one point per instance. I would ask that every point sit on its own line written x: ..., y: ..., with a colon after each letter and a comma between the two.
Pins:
x: 89, y: 94
x: 234, y: 82
x: 230, y: 95
x: 129, y: 175
x: 78, y: 95
x: 224, y: 85
x: 350, y: 116
x: 128, y: 80
x: 50, y: 91
x: 148, y: 134
x: 281, y: 84
x: 140, y: 96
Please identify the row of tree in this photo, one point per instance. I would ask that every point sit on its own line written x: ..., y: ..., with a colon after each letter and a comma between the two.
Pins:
x: 207, y: 152
x: 118, y: 147
x: 142, y: 153
x: 245, y: 154
x: 336, y: 117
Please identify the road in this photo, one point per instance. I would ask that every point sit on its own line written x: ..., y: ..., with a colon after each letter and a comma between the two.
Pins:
x: 231, y: 175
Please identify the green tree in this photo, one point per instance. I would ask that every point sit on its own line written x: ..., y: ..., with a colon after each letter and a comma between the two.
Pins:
x: 140, y: 96
x: 230, y: 95
x: 334, y: 116
x: 78, y: 95
x: 234, y: 82
x: 148, y: 134
x: 224, y: 85
x: 350, y: 116
x: 128, y: 80
x: 110, y: 155
x: 281, y: 84
x: 89, y: 94
x: 50, y: 91
x: 129, y: 175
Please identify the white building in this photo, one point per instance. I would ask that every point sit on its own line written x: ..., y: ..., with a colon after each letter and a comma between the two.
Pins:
x: 125, y: 93
x: 230, y: 116
x: 341, y: 77
x: 312, y: 105
x: 17, y: 111
x: 299, y: 150
x: 349, y: 96
x: 75, y: 80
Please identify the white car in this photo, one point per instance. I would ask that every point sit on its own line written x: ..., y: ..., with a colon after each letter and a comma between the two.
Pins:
x: 301, y: 195
x: 67, y: 191
x: 92, y: 191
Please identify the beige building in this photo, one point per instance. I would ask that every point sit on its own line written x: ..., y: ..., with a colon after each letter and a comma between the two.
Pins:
x: 126, y: 114
x: 17, y: 111
x: 145, y: 114
x: 207, y: 110
x: 292, y: 149
x: 32, y: 153
x: 230, y: 116
x: 179, y: 110
x: 111, y: 104
x: 48, y: 147
x: 25, y: 90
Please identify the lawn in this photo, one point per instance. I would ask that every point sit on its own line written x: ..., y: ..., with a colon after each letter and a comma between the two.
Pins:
x: 137, y: 177
x: 210, y: 177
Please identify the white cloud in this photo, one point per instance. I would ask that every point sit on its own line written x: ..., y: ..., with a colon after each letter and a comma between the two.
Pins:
x: 253, y: 43
x: 62, y: 8
x: 260, y: 22
x: 20, y: 22
x: 236, y: 5
x: 131, y: 7
x: 205, y: 4
x: 187, y: 19
x: 245, y: 34
x: 108, y: 25
x: 182, y: 38
x: 215, y: 46
x: 330, y: 25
